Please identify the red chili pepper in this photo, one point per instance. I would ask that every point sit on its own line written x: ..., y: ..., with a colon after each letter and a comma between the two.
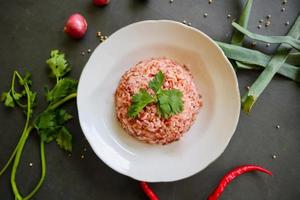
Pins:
x: 148, y: 191
x: 232, y: 175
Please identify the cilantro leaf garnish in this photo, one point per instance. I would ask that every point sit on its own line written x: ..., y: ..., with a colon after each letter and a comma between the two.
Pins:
x: 157, y: 82
x: 169, y: 102
x: 139, y: 101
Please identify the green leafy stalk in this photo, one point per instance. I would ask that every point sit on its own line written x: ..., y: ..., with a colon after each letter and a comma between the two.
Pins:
x: 294, y: 42
x: 258, y: 59
x: 271, y: 69
x: 49, y: 124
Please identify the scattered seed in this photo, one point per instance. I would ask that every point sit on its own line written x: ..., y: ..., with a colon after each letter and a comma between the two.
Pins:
x: 229, y: 16
x: 278, y: 126
x: 205, y: 15
x: 259, y: 26
x: 82, y: 53
x: 261, y: 21
x: 89, y: 50
x: 82, y: 156
x: 287, y: 23
x: 268, y: 44
x: 105, y: 37
x: 282, y: 9
x: 102, y: 37
x: 69, y: 155
x: 233, y: 20
x: 190, y: 24
x: 248, y: 87
x: 268, y: 16
x: 99, y: 34
x: 184, y: 22
x: 274, y: 156
x: 30, y: 164
x: 284, y: 2
x: 253, y: 44
x: 171, y: 1
x: 210, y: 1
x: 84, y: 149
x: 268, y: 23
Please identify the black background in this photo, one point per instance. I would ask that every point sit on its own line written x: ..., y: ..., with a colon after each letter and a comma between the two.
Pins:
x: 29, y: 29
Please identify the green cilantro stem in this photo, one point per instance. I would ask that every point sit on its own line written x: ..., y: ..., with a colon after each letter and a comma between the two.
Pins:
x: 22, y: 142
x: 63, y: 91
x: 43, y: 163
x: 62, y: 101
x: 12, y: 156
x: 16, y: 163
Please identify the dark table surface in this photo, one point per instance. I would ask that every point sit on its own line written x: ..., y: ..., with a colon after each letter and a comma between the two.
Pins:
x: 29, y: 29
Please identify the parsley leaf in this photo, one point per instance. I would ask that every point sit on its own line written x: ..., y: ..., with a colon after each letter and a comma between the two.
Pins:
x: 58, y: 64
x: 64, y: 139
x: 63, y: 88
x: 26, y: 79
x: 139, y: 101
x: 8, y: 100
x: 50, y: 127
x: 170, y: 102
x: 157, y: 82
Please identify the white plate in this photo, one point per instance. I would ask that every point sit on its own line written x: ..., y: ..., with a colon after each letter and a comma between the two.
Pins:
x: 214, y: 76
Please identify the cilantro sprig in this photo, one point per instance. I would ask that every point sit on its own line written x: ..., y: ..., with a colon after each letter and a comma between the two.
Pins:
x: 49, y: 123
x: 169, y: 102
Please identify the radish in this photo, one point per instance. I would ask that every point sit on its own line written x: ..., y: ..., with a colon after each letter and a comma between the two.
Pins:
x: 76, y: 26
x: 101, y: 2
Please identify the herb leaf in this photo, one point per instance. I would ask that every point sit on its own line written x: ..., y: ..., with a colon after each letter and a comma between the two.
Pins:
x: 64, y: 139
x: 157, y: 82
x: 8, y: 100
x: 50, y: 127
x: 139, y: 101
x: 63, y: 88
x: 170, y: 102
x: 58, y: 64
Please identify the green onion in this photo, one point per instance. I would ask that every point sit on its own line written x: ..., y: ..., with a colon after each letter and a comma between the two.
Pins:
x: 294, y: 59
x: 273, y: 66
x: 256, y: 58
x: 270, y: 39
x: 238, y: 37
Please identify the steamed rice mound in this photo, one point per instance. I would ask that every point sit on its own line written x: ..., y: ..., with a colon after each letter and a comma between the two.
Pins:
x: 149, y: 127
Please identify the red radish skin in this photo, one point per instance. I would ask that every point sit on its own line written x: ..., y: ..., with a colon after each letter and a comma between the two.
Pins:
x: 101, y: 2
x: 76, y: 26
